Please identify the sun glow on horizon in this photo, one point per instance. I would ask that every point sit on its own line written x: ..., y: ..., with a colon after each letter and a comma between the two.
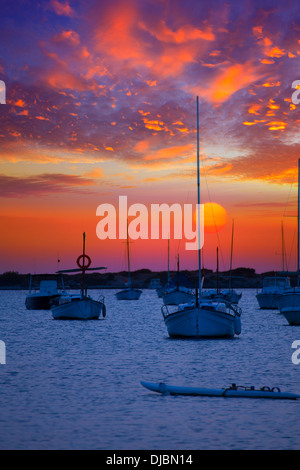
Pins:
x: 215, y: 217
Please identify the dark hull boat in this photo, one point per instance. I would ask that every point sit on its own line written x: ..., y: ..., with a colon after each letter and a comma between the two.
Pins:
x: 43, y: 299
x: 40, y: 302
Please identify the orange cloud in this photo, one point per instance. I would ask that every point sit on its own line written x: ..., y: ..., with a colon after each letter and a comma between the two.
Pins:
x: 95, y: 173
x: 155, y: 125
x: 117, y: 34
x: 254, y: 109
x: 271, y: 84
x: 20, y: 103
x: 164, y: 51
x: 275, y: 52
x: 23, y: 113
x: 170, y: 152
x: 272, y: 105
x: 229, y: 80
x: 70, y: 37
x: 252, y: 123
x: 42, y: 118
x: 257, y: 31
x: 62, y: 9
x: 267, y: 61
x: 62, y: 78
x: 182, y: 35
x: 277, y: 125
x: 269, y: 49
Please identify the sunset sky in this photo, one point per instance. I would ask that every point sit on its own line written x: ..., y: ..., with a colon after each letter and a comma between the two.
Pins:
x: 101, y: 102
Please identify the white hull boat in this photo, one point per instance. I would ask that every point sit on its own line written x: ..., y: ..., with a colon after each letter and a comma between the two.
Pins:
x: 74, y: 307
x: 209, y: 319
x: 273, y: 288
x: 289, y: 302
x: 177, y: 296
x: 290, y: 298
x: 129, y: 294
x: 268, y: 301
x: 79, y: 306
x: 292, y: 314
x: 177, y: 292
x: 202, y: 318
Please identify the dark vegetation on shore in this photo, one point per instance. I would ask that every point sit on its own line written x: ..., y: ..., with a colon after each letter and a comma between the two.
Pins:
x: 241, y: 278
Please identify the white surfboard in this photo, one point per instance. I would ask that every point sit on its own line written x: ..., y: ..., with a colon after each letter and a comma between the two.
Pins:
x: 232, y: 391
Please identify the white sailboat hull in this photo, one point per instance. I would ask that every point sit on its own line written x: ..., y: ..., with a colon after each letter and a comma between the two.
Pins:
x: 208, y: 319
x: 79, y: 309
x: 268, y: 300
x: 129, y: 294
x: 292, y: 314
x: 289, y: 299
x: 203, y: 321
x: 272, y: 290
x: 177, y: 297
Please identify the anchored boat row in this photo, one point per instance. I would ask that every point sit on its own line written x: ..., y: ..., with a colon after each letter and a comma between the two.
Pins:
x: 277, y: 292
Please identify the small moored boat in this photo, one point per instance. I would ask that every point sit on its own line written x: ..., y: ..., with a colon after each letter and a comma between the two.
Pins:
x: 179, y: 290
x: 289, y: 301
x: 129, y: 293
x: 201, y: 317
x: 42, y: 299
x: 81, y: 306
x: 78, y: 307
x: 272, y: 290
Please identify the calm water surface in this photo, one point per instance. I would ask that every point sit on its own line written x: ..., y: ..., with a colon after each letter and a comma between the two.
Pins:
x: 76, y: 385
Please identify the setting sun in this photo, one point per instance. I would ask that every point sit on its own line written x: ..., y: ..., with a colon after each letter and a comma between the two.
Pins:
x: 215, y: 217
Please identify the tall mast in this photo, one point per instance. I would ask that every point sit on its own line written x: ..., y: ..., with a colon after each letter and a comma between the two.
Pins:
x: 128, y: 259
x: 217, y: 269
x: 83, y: 290
x: 169, y: 259
x: 282, y: 247
x: 231, y: 252
x: 198, y: 194
x: 298, y: 267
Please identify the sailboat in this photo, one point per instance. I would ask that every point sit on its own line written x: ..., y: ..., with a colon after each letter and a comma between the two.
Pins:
x: 228, y: 296
x: 202, y: 318
x: 178, y: 293
x: 42, y: 299
x: 289, y: 300
x: 231, y: 295
x: 273, y: 287
x: 79, y: 306
x: 271, y: 293
x: 129, y: 293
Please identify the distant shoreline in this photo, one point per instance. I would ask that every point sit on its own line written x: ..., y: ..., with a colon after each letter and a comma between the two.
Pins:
x: 241, y: 278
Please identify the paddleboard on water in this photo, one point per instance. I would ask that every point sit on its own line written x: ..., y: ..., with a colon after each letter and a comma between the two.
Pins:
x: 232, y: 391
